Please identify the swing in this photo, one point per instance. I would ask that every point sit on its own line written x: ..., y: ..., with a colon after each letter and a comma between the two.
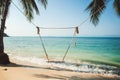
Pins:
x: 69, y: 45
x: 74, y: 36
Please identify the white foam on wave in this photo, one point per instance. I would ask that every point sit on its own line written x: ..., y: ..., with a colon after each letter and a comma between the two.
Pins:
x: 83, y: 67
x: 30, y: 59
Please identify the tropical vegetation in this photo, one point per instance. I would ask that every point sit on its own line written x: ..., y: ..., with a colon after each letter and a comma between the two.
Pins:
x: 96, y: 8
x: 29, y: 7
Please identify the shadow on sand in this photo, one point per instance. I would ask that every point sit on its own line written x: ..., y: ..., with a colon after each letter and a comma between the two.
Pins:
x: 59, y: 77
x: 37, y: 67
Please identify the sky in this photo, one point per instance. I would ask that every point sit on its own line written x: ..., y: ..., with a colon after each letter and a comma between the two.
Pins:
x: 63, y: 13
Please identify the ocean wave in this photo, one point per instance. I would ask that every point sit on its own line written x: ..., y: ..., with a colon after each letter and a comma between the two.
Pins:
x: 84, y: 67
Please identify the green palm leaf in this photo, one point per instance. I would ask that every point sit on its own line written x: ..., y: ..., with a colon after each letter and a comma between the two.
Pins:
x: 27, y: 6
x: 116, y: 5
x: 44, y: 2
x: 96, y: 7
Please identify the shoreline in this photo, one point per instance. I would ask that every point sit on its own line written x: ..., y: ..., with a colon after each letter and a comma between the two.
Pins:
x: 83, y: 67
x: 24, y: 70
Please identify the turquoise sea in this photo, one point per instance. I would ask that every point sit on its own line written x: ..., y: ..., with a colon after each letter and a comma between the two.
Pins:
x: 96, y: 50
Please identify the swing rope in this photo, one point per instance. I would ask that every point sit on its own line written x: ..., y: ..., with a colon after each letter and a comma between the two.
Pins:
x: 74, y: 37
x: 38, y: 32
x: 66, y: 52
x: 70, y: 43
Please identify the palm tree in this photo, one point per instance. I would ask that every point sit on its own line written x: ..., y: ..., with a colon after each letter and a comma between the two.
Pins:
x: 29, y: 6
x: 96, y: 7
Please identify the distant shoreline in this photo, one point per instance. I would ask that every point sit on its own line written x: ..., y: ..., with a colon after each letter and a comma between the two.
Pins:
x: 71, y: 36
x: 5, y: 35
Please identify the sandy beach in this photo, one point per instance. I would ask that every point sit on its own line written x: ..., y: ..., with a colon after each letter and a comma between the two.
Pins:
x: 30, y: 71
x: 60, y: 40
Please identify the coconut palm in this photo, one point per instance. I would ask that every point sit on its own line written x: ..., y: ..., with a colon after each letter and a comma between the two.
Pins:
x: 96, y: 7
x: 29, y: 7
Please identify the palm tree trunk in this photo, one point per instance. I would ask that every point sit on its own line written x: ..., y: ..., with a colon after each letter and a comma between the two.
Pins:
x: 1, y: 36
x: 3, y: 26
x: 4, y: 59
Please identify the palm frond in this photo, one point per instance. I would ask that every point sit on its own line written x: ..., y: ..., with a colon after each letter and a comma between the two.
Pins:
x: 96, y: 7
x: 44, y: 2
x: 30, y: 6
x: 27, y: 9
x: 116, y: 5
x: 34, y: 5
x: 4, y: 4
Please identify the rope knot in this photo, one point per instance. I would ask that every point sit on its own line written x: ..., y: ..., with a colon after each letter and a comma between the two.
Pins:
x: 38, y: 30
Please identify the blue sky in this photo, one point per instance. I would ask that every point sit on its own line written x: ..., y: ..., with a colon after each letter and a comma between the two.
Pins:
x: 63, y: 13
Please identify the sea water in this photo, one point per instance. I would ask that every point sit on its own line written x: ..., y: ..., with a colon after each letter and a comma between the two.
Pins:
x: 94, y: 50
